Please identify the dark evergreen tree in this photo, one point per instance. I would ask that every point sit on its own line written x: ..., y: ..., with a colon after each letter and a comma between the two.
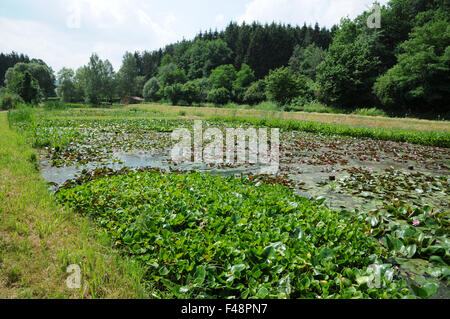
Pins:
x: 8, y: 61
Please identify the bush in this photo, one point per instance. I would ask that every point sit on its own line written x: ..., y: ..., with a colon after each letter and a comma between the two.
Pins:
x: 204, y: 86
x: 219, y: 96
x: 267, y: 106
x: 317, y: 107
x: 347, y: 74
x: 255, y: 93
x: 22, y: 113
x: 170, y: 74
x: 419, y: 82
x: 244, y: 79
x: 9, y: 100
x: 151, y: 89
x: 282, y: 86
x: 223, y: 77
x: 174, y: 93
x: 25, y: 85
x: 191, y: 93
x: 431, y: 138
x: 76, y: 105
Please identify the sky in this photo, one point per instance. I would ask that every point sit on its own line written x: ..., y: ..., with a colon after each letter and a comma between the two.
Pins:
x: 64, y: 33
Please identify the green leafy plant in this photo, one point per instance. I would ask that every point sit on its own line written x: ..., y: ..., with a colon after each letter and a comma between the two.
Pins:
x: 206, y: 236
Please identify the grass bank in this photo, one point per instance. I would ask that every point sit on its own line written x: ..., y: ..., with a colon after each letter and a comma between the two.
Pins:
x: 39, y: 238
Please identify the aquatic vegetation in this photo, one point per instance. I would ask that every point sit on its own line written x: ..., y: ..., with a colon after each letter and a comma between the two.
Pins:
x: 208, y: 236
x: 414, y: 187
x: 417, y: 237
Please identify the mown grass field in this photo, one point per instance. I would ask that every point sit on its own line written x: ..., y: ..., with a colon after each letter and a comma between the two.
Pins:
x: 141, y: 230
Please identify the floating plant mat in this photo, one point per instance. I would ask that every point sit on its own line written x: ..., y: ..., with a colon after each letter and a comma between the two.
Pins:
x: 146, y: 212
x: 201, y: 236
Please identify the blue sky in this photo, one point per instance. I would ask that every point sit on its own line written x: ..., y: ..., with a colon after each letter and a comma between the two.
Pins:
x: 66, y: 32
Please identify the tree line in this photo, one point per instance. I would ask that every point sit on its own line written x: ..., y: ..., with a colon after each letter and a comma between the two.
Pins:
x: 401, y: 67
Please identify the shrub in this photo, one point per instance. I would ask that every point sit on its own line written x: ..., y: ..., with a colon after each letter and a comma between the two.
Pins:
x: 174, y: 93
x: 22, y: 113
x: 204, y: 86
x: 419, y: 82
x: 25, y: 85
x: 255, y: 93
x: 317, y: 107
x: 347, y: 74
x: 9, y: 100
x: 223, y: 77
x: 244, y: 79
x: 431, y: 138
x: 151, y: 89
x: 170, y: 74
x: 267, y: 106
x: 191, y: 93
x: 282, y: 86
x: 219, y: 96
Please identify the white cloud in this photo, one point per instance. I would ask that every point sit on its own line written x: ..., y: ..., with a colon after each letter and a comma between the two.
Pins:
x: 143, y: 17
x: 40, y: 41
x: 73, y: 20
x: 325, y: 12
x: 107, y: 27
x: 220, y: 18
x: 109, y: 14
x: 99, y: 13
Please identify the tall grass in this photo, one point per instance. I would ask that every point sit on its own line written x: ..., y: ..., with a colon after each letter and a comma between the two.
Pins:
x: 54, y: 105
x: 40, y: 133
x: 316, y: 107
x: 370, y: 112
x: 22, y: 113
